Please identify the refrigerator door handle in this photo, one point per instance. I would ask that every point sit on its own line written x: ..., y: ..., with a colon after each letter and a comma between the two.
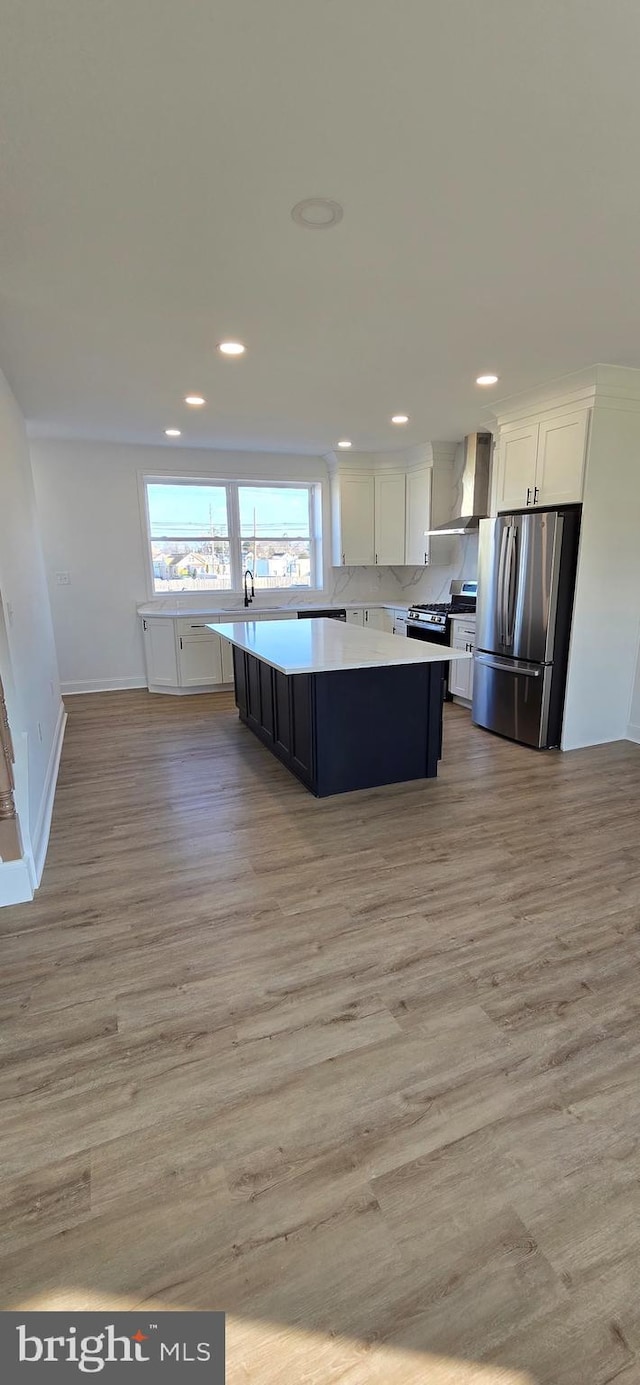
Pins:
x: 510, y: 586
x: 510, y: 666
x: 501, y: 585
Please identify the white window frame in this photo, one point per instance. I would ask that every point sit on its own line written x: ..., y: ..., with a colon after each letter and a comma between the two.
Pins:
x: 234, y: 537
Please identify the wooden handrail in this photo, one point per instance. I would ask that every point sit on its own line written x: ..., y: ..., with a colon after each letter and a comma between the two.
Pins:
x: 7, y: 782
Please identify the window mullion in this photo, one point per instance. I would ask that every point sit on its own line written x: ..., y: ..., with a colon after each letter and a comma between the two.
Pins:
x: 235, y: 543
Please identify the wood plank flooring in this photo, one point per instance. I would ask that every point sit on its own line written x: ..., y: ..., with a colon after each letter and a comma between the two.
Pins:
x: 361, y: 1071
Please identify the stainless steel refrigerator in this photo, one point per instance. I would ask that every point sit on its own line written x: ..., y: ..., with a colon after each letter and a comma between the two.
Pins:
x: 526, y: 578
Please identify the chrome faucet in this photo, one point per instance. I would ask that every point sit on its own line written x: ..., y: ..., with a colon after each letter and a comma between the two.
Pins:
x: 248, y: 598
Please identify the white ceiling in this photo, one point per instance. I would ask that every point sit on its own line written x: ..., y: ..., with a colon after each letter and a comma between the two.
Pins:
x: 485, y: 153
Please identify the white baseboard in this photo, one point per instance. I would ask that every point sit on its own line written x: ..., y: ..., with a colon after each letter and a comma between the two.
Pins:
x: 40, y: 834
x: 633, y: 733
x: 15, y: 882
x: 91, y: 685
x: 191, y: 692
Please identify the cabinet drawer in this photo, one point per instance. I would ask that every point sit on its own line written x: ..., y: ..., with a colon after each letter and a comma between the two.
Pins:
x: 197, y: 627
x: 464, y: 631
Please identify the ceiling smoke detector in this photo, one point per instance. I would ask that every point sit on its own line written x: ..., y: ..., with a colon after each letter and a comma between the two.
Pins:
x: 317, y: 213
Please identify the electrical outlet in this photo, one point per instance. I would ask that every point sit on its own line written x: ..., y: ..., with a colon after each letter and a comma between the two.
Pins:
x: 63, y: 579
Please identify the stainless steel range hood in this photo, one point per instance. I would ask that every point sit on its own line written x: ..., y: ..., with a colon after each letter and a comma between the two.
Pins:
x: 474, y: 501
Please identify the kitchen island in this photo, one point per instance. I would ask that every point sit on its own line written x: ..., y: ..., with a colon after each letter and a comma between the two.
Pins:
x: 342, y: 707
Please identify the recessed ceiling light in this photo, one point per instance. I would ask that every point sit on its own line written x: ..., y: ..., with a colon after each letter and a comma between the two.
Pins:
x: 400, y: 418
x: 487, y: 380
x: 317, y: 213
x: 231, y: 348
x: 344, y: 443
x: 172, y: 433
x: 195, y: 400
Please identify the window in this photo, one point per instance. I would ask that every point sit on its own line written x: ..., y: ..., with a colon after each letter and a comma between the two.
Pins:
x: 189, y: 536
x: 204, y: 534
x: 275, y: 527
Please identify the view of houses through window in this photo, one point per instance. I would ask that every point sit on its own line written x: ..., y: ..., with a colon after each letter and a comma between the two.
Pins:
x: 203, y: 535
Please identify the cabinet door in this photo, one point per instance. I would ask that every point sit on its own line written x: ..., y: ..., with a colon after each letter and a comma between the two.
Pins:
x: 400, y: 623
x: 200, y: 660
x: 517, y: 466
x: 240, y: 679
x: 282, y: 714
x: 390, y: 519
x: 160, y: 652
x: 355, y: 521
x: 355, y: 617
x: 461, y: 673
x: 561, y: 451
x: 418, y: 517
x: 302, y: 726
x: 378, y: 619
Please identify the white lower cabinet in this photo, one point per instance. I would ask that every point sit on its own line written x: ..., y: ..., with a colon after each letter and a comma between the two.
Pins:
x: 185, y: 655
x: 376, y: 618
x: 463, y: 636
x: 200, y: 659
x: 160, y: 652
x: 399, y: 623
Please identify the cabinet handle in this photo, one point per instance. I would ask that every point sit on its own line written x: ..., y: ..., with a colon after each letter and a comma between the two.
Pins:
x: 376, y: 557
x: 425, y: 560
x: 343, y: 561
x: 535, y: 494
x: 181, y: 641
x: 528, y: 495
x: 144, y: 625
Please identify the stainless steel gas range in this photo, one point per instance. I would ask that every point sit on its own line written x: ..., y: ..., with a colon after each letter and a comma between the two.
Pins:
x: 430, y: 621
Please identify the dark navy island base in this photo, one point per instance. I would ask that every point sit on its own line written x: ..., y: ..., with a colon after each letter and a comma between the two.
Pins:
x: 348, y: 729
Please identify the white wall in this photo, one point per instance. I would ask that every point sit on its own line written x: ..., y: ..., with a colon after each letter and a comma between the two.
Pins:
x: 31, y: 679
x: 604, y: 641
x: 633, y: 730
x: 89, y: 505
x: 88, y: 500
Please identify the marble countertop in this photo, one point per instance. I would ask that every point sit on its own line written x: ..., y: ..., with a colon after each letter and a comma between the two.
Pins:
x: 173, y: 611
x: 326, y: 646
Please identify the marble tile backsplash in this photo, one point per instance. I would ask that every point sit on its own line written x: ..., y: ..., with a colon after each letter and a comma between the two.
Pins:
x: 354, y: 584
x: 459, y: 558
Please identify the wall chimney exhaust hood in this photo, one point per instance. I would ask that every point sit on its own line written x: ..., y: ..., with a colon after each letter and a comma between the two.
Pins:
x: 474, y: 504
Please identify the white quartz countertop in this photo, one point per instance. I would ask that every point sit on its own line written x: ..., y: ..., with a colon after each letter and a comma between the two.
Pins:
x: 173, y: 610
x: 326, y: 646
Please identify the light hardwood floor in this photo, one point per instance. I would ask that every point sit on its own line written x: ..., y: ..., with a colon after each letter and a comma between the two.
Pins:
x: 362, y: 1071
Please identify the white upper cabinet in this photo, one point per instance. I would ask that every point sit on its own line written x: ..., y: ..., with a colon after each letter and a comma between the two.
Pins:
x: 353, y: 502
x: 541, y: 462
x: 389, y: 518
x: 562, y: 445
x: 418, y: 517
x: 518, y: 451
